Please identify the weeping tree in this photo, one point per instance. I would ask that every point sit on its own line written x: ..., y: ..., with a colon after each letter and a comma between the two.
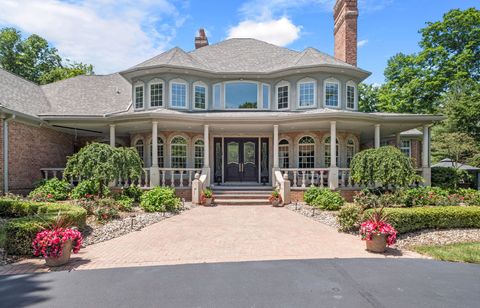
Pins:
x: 102, y: 163
x: 384, y: 167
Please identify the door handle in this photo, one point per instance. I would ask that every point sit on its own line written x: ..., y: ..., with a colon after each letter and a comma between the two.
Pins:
x: 241, y: 167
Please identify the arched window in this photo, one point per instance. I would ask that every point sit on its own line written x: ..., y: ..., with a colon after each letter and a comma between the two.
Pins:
x: 306, y: 152
x: 139, y: 147
x: 199, y: 149
x: 160, y: 151
x: 283, y: 154
x: 178, y: 152
x: 328, y: 157
x: 350, y: 151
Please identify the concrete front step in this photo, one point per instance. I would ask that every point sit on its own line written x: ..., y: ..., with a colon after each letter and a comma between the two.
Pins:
x: 241, y: 197
x: 223, y: 202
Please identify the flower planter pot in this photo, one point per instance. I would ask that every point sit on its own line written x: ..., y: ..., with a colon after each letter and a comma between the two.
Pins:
x: 63, y: 259
x: 378, y: 243
x: 276, y: 203
x: 208, y: 201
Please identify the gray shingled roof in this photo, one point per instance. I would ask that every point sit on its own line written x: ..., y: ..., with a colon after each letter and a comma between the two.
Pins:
x: 20, y: 95
x: 449, y: 163
x: 242, y: 55
x: 88, y: 95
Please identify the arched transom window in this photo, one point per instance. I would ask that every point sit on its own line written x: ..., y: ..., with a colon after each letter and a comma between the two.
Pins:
x: 283, y: 154
x: 306, y: 152
x: 199, y: 150
x: 178, y: 152
x: 328, y: 157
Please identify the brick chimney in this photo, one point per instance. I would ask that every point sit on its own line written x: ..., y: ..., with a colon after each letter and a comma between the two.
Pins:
x: 345, y: 15
x: 201, y: 40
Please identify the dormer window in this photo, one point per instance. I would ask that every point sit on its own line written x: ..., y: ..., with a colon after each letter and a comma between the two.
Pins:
x: 178, y: 93
x: 306, y: 93
x: 156, y: 93
x: 200, y: 95
x: 139, y: 95
x: 332, y: 93
x: 351, y: 95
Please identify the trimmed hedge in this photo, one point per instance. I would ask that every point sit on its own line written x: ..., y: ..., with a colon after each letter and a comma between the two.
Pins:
x: 406, y: 220
x: 19, y: 232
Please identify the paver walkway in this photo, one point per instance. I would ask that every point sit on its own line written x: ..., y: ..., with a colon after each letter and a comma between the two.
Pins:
x: 218, y: 234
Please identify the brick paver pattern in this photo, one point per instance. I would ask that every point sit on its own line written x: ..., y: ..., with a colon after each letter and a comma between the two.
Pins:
x: 217, y: 234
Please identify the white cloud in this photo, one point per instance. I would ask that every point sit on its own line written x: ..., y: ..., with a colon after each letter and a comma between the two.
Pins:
x: 279, y: 32
x: 362, y: 43
x: 110, y: 34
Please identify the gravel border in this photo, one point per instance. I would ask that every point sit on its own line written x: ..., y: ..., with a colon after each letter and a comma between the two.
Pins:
x: 437, y: 237
x: 328, y: 218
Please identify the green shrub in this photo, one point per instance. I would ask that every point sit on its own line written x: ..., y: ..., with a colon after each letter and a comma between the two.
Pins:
x: 447, y: 217
x: 470, y: 197
x: 88, y: 189
x: 425, y: 196
x: 328, y: 200
x: 125, y: 204
x: 134, y: 192
x: 373, y: 198
x: 160, y: 199
x: 19, y: 232
x: 311, y: 194
x: 51, y: 190
x: 349, y: 217
x: 449, y: 177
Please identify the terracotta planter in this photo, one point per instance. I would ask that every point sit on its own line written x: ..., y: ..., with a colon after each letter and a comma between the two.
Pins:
x: 208, y: 201
x: 378, y: 243
x: 64, y: 258
x: 276, y: 203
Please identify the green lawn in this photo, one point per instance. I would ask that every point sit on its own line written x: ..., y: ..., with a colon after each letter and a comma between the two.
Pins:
x: 460, y: 252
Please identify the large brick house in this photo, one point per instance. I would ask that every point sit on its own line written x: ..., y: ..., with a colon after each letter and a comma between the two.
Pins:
x: 237, y: 112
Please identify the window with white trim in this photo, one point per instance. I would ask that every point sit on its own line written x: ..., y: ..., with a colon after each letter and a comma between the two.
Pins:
x: 265, y: 96
x: 160, y: 152
x: 406, y: 147
x: 178, y: 152
x: 328, y: 156
x: 178, y: 95
x: 139, y: 96
x: 199, y: 149
x: 306, y: 152
x: 306, y: 94
x: 200, y: 96
x: 350, y: 89
x: 331, y: 93
x: 282, y: 96
x: 140, y: 150
x: 350, y: 151
x: 156, y: 94
x: 283, y: 154
x: 217, y: 95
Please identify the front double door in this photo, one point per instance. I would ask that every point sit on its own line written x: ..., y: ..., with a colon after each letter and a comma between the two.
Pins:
x: 241, y: 159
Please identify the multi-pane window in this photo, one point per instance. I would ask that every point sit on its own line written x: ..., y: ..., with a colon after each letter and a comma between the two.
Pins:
x: 179, y: 95
x: 160, y: 152
x: 178, y: 152
x: 306, y: 152
x: 140, y: 150
x: 139, y: 96
x: 350, y: 97
x: 350, y: 151
x: 306, y: 94
x: 406, y: 147
x: 283, y: 154
x: 156, y: 94
x: 328, y: 156
x: 331, y: 94
x: 266, y: 96
x: 200, y: 97
x: 282, y: 97
x: 199, y: 150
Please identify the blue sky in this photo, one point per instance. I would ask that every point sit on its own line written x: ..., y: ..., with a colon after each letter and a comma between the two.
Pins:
x: 116, y: 34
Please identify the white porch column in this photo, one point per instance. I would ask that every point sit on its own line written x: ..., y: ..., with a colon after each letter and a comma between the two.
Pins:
x: 154, y: 172
x: 206, y: 147
x: 377, y: 136
x: 275, y: 147
x: 397, y: 140
x: 333, y: 170
x: 426, y: 171
x: 112, y: 135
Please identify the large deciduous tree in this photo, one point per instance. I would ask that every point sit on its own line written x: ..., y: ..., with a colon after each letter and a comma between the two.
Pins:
x: 457, y: 146
x: 34, y: 59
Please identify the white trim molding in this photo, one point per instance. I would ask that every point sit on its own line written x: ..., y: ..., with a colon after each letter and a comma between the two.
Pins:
x: 350, y: 83
x: 332, y: 80
x: 203, y: 85
x: 178, y: 81
x: 152, y: 82
x: 136, y: 85
x: 306, y: 81
x: 282, y: 83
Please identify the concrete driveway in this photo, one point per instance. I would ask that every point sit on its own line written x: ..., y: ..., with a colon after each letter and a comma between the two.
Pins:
x: 219, y: 234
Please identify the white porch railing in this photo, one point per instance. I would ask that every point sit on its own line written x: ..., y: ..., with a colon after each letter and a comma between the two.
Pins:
x: 306, y: 177
x: 283, y: 186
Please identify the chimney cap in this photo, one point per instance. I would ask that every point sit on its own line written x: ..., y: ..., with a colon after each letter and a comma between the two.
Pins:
x: 201, y: 40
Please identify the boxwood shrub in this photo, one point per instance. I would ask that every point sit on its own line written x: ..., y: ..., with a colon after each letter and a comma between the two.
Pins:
x: 446, y: 217
x: 328, y: 200
x: 20, y: 231
x: 160, y: 199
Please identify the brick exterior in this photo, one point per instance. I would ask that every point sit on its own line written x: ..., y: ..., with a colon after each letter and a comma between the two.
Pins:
x: 345, y: 17
x: 31, y: 148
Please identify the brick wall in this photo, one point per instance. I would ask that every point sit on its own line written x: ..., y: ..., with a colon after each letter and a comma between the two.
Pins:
x: 31, y: 148
x: 345, y: 30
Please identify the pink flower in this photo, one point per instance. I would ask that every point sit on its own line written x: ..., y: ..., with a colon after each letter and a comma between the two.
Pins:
x: 49, y: 243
